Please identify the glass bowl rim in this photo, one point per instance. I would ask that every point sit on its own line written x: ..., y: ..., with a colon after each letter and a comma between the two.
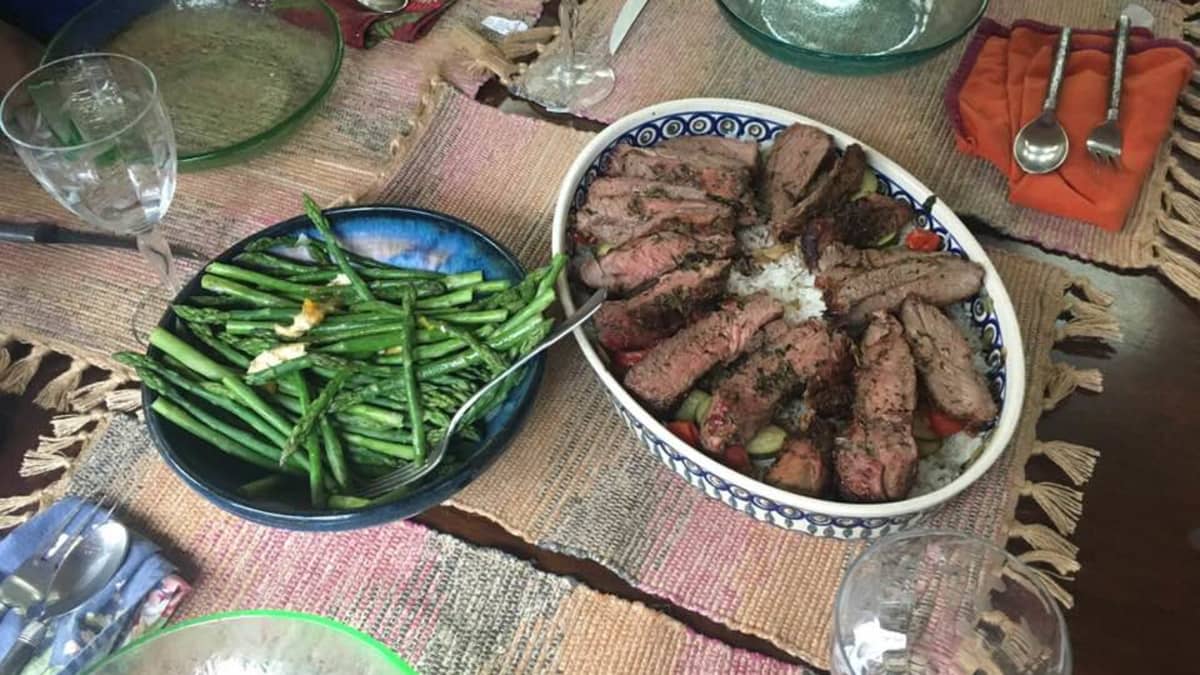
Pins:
x: 857, y: 57
x: 150, y: 102
x: 946, y: 533
x: 360, y: 637
x: 300, y: 112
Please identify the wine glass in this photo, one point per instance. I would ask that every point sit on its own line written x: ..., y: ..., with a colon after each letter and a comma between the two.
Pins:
x: 567, y: 80
x: 93, y: 130
x: 939, y: 602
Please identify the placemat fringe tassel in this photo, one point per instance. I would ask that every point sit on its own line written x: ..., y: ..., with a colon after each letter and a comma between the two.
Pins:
x: 1064, y: 379
x: 1042, y: 538
x: 1063, y: 505
x: 18, y: 375
x: 56, y: 394
x: 1077, y: 461
x: 1087, y: 320
x: 5, y: 357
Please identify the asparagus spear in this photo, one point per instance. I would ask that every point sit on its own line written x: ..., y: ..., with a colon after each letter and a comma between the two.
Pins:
x: 334, y: 250
x: 311, y: 415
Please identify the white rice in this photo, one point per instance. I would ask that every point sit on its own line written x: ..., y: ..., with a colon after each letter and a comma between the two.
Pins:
x: 788, y: 281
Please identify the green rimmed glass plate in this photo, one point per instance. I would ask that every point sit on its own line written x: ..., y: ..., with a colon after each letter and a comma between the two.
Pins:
x: 255, y: 641
x: 237, y: 77
x: 852, y: 37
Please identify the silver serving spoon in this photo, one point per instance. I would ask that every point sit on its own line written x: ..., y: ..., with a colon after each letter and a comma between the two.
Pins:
x: 1041, y: 146
x: 85, y: 570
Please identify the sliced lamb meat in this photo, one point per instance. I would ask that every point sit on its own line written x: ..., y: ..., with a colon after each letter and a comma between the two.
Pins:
x: 819, y: 234
x: 938, y: 278
x: 662, y: 309
x: 877, y: 460
x: 805, y: 466
x: 841, y: 260
x: 670, y: 369
x: 607, y: 186
x: 828, y: 193
x: 643, y: 260
x: 797, y: 155
x: 618, y: 219
x: 790, y: 355
x: 953, y: 280
x: 869, y: 220
x: 743, y: 152
x: 945, y: 362
x: 719, y: 176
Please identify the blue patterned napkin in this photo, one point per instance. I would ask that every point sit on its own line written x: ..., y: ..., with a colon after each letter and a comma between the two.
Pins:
x: 79, y: 638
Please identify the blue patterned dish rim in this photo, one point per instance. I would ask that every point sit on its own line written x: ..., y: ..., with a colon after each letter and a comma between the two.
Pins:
x: 399, y: 235
x: 990, y: 312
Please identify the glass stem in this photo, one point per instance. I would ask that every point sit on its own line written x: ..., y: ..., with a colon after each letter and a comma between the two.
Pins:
x: 157, y: 252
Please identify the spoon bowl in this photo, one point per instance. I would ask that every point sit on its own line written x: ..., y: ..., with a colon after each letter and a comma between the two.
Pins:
x: 1042, y: 145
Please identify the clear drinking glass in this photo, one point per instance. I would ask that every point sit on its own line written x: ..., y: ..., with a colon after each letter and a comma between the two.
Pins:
x: 93, y: 130
x: 567, y: 79
x: 944, y: 603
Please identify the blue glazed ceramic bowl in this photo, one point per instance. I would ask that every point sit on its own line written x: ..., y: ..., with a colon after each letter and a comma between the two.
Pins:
x: 990, y: 313
x: 403, y: 236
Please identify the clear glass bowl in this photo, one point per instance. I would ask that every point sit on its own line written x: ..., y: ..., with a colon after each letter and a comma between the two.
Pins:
x: 937, y: 601
x: 236, y: 76
x: 852, y: 37
x: 255, y: 642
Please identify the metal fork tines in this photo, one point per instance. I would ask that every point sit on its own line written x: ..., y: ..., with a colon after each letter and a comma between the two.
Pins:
x: 411, y: 472
x: 1104, y: 143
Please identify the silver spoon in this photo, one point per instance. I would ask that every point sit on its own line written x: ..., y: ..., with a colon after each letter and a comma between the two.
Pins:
x: 85, y: 570
x: 405, y: 475
x: 1041, y: 146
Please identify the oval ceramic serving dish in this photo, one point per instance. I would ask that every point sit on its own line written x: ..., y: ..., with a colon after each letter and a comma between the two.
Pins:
x: 407, y: 237
x: 991, y: 317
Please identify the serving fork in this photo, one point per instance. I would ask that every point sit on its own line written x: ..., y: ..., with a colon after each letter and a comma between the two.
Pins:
x: 1104, y: 143
x: 413, y: 471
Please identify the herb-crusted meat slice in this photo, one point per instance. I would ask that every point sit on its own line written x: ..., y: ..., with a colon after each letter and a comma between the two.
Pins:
x: 718, y: 176
x: 946, y: 364
x: 670, y: 369
x: 829, y: 192
x: 657, y: 312
x: 641, y: 261
x: 877, y: 460
x: 799, y: 153
x: 618, y: 219
x: 790, y: 356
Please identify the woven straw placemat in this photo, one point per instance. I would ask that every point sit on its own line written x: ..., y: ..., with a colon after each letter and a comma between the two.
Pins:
x: 577, y: 481
x: 685, y: 48
x: 445, y: 606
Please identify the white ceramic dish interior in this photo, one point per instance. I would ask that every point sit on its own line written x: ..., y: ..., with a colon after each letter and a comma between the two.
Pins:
x: 991, y: 315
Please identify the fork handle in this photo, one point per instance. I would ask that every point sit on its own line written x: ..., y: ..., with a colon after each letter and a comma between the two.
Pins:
x: 23, y: 649
x: 1114, y: 95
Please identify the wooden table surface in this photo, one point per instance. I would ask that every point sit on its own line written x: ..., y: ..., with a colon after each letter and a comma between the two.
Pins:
x: 1138, y: 594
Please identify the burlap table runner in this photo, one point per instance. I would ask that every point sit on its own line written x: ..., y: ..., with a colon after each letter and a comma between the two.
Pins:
x: 685, y: 48
x: 443, y: 605
x: 577, y: 481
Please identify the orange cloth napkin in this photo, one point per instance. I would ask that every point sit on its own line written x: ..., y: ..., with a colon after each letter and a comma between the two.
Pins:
x: 1001, y: 85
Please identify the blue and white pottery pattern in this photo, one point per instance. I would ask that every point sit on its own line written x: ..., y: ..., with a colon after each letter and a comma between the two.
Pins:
x: 980, y: 310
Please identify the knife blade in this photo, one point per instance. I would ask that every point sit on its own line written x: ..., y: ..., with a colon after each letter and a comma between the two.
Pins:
x: 629, y: 13
x: 51, y: 233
